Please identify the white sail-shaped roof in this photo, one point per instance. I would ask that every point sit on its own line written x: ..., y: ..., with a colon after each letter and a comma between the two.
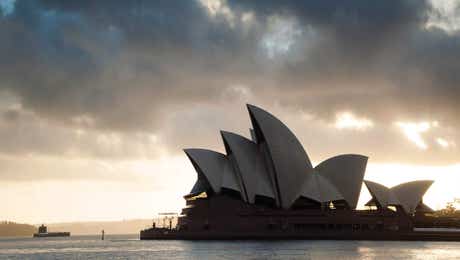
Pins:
x: 215, y: 167
x: 318, y: 188
x: 410, y: 194
x: 230, y: 179
x: 274, y: 164
x: 346, y: 173
x: 288, y: 158
x: 201, y: 185
x: 249, y: 164
x: 381, y: 194
x: 253, y: 135
x: 407, y: 195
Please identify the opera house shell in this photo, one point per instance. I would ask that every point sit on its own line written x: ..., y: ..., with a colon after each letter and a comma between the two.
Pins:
x: 407, y: 195
x: 268, y: 185
x: 274, y: 166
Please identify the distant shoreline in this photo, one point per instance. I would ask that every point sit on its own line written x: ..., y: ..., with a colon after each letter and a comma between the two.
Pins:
x: 13, y: 229
x: 122, y: 227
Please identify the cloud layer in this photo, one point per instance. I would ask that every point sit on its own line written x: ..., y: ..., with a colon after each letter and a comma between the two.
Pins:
x: 141, y: 79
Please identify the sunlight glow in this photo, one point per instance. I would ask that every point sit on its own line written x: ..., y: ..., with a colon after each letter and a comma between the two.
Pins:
x: 442, y: 142
x: 444, y: 16
x: 281, y: 35
x: 96, y: 189
x: 219, y: 7
x: 413, y: 132
x: 247, y: 17
x: 443, y: 190
x: 347, y: 120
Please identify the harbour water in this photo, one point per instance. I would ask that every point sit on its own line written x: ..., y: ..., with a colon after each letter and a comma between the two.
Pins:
x: 130, y: 247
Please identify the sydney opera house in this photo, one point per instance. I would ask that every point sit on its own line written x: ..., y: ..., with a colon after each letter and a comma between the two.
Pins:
x: 267, y: 188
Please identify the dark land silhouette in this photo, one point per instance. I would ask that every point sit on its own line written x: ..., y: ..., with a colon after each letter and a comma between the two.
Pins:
x: 12, y: 229
x: 132, y: 226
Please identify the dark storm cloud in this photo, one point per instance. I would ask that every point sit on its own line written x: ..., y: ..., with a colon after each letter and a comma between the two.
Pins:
x: 356, y: 24
x: 109, y: 59
x: 376, y: 57
x: 150, y: 66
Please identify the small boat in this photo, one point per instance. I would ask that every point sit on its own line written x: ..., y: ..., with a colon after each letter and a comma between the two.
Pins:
x: 43, y: 232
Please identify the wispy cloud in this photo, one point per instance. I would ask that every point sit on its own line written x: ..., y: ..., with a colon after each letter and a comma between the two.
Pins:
x: 414, y: 131
x: 347, y: 120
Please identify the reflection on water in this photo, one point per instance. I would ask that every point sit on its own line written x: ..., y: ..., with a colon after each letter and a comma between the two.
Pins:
x: 129, y: 247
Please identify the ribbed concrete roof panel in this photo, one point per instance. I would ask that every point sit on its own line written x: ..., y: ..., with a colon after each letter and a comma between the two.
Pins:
x: 346, y: 173
x: 250, y: 165
x: 380, y: 193
x: 407, y: 195
x: 201, y: 185
x: 318, y: 188
x: 215, y: 167
x: 290, y: 161
x: 410, y: 194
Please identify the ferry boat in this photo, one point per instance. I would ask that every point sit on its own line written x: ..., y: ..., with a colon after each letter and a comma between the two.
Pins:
x: 43, y: 232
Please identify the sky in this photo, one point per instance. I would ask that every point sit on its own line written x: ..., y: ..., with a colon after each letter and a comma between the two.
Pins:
x: 98, y: 98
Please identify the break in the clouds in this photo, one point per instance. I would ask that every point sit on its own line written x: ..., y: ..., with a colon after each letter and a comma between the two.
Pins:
x: 127, y: 79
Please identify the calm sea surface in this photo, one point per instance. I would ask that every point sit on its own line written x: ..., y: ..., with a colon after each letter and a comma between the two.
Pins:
x: 130, y: 247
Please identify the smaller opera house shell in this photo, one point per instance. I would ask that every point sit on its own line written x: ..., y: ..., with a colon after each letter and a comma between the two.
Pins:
x: 268, y: 181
